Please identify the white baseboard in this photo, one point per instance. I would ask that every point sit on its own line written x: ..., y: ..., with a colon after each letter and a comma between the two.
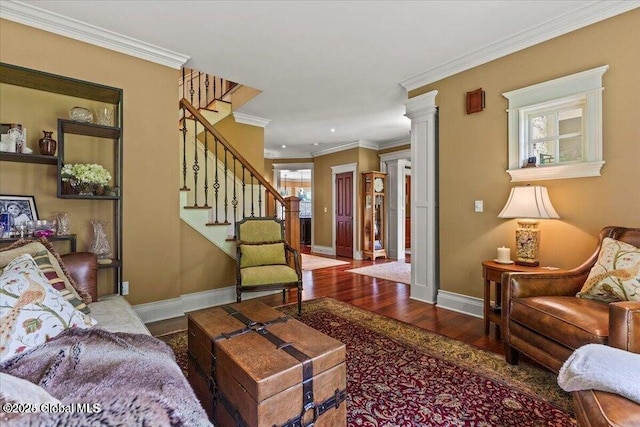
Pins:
x: 324, y: 250
x: 176, y: 307
x: 461, y: 303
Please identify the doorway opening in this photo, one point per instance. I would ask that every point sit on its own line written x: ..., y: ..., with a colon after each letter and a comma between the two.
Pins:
x: 297, y: 180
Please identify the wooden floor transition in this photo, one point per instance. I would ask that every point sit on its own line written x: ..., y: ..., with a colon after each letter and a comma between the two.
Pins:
x: 379, y: 296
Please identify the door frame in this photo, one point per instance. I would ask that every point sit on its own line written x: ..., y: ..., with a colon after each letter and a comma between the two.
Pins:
x: 397, y: 161
x: 335, y: 170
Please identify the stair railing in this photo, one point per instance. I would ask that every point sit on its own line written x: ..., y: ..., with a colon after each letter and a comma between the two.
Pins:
x: 209, y: 88
x: 239, y: 190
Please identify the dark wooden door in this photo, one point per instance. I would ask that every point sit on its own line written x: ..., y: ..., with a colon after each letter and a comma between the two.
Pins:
x: 344, y: 214
x: 407, y: 212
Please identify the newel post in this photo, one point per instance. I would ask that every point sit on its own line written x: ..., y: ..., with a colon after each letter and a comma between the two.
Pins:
x: 292, y: 221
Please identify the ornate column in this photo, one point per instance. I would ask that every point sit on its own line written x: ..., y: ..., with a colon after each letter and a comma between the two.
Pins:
x: 423, y: 113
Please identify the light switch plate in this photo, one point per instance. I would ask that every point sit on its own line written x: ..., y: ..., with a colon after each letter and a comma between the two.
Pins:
x: 478, y: 206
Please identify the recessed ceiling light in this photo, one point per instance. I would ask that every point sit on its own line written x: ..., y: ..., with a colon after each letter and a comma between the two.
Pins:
x: 333, y: 129
x: 316, y: 144
x: 284, y: 146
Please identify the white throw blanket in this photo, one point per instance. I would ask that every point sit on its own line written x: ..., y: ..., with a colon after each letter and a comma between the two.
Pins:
x: 604, y: 368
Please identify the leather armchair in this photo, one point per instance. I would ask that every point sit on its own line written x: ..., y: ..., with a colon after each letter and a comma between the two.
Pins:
x: 543, y: 319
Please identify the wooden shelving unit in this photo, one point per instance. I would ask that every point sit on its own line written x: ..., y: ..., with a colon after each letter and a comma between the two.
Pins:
x: 46, y: 82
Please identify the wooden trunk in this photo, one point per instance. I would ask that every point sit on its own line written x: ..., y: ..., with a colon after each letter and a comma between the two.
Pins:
x: 250, y: 365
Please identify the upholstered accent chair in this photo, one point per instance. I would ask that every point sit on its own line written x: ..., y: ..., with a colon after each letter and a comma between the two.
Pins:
x: 265, y: 261
x: 543, y: 318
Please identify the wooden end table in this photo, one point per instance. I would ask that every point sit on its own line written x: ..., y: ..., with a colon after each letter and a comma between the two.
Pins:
x: 492, y: 273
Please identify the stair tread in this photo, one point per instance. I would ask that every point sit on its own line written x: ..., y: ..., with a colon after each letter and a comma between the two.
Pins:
x: 209, y: 224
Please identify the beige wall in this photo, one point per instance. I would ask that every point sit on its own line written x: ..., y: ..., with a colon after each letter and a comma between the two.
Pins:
x: 367, y: 160
x: 152, y: 254
x: 248, y: 140
x: 473, y: 153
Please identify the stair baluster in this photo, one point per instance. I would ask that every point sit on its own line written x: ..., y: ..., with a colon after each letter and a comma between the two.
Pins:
x: 206, y: 169
x: 252, y: 193
x: 216, y: 182
x: 234, y: 200
x: 244, y: 199
x: 184, y: 150
x: 206, y: 89
x: 226, y: 187
x: 195, y: 166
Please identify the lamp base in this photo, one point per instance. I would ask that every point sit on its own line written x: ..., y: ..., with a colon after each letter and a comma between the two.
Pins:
x: 528, y: 263
x: 527, y: 242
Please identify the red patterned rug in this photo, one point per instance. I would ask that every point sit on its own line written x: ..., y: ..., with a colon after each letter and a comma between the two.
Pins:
x: 403, y: 376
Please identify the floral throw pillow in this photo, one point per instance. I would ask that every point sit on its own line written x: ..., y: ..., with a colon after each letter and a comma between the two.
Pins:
x: 616, y: 274
x: 31, y: 310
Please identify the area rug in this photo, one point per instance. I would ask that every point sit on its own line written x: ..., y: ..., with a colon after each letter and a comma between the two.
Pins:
x: 398, y: 271
x: 401, y: 375
x: 312, y: 262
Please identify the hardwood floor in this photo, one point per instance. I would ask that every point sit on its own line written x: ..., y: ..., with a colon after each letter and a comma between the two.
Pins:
x: 379, y: 296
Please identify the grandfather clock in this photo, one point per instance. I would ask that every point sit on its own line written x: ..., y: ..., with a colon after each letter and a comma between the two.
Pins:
x: 373, y: 209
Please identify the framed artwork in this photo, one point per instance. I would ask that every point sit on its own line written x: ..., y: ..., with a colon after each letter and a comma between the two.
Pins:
x: 15, y: 211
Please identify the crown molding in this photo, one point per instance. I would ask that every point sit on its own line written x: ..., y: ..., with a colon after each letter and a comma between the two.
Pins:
x: 250, y: 120
x: 590, y: 14
x: 54, y: 23
x: 392, y: 144
x: 357, y: 144
x: 294, y: 154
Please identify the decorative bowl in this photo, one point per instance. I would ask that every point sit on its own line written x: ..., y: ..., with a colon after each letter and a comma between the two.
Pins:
x: 44, y: 228
x: 81, y: 114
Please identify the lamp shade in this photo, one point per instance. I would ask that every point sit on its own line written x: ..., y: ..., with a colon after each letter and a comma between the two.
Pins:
x: 531, y: 201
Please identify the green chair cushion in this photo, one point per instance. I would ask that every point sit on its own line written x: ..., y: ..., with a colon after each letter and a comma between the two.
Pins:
x: 258, y: 231
x: 255, y: 255
x: 267, y: 275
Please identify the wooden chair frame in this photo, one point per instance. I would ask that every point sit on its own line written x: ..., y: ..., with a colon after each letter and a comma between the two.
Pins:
x: 291, y: 255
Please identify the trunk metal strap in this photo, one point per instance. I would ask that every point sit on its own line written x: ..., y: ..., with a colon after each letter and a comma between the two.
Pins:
x: 290, y: 349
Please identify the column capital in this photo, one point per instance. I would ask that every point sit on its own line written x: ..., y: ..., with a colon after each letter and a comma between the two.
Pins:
x: 418, y: 107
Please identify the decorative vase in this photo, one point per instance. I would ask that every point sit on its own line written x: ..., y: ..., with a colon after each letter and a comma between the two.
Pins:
x: 47, y: 144
x: 64, y: 223
x: 100, y: 245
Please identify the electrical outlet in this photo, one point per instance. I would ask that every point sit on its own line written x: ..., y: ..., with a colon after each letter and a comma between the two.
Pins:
x: 478, y: 206
x: 125, y: 288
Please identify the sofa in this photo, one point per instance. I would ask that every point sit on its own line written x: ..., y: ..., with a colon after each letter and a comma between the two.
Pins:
x: 107, y: 371
x: 543, y: 318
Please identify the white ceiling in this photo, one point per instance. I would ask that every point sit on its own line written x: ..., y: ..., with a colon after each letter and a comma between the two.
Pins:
x: 335, y: 64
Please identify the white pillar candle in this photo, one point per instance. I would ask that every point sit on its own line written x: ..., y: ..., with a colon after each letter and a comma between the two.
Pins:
x: 504, y: 255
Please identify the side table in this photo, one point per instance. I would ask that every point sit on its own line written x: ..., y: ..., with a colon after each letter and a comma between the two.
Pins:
x: 492, y: 273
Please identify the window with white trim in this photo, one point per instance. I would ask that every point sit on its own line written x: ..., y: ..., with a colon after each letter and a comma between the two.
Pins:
x: 555, y: 128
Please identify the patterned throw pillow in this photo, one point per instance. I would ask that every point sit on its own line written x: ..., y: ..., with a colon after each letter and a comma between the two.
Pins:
x: 44, y: 263
x: 24, y: 246
x: 31, y: 310
x: 616, y: 274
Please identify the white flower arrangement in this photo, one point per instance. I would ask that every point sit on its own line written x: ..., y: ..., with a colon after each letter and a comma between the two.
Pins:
x: 86, y: 173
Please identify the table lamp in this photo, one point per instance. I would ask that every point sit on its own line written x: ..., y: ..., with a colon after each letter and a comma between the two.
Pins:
x: 528, y: 204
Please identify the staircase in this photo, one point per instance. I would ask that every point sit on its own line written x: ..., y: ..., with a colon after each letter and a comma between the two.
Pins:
x: 219, y: 186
